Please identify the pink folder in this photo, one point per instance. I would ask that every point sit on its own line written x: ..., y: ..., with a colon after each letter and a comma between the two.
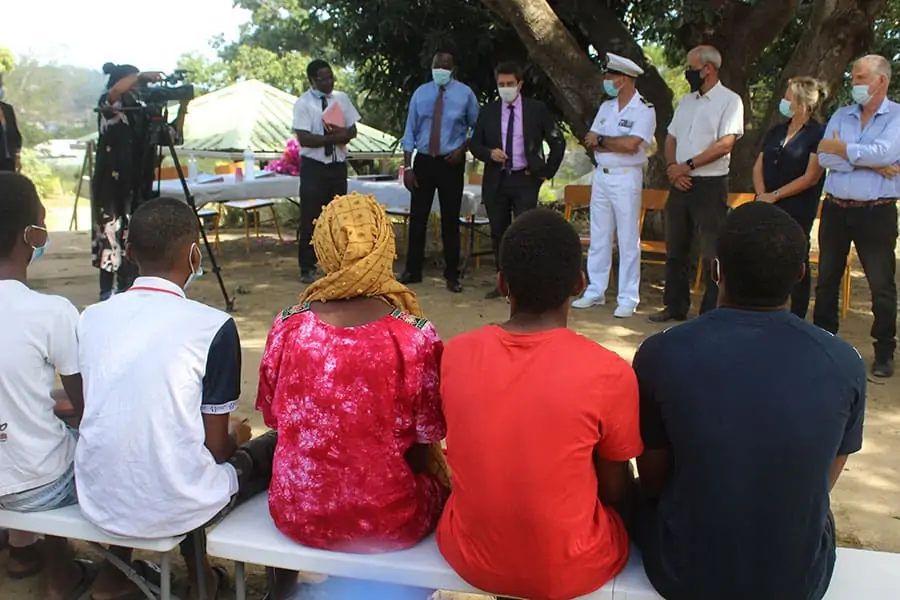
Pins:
x: 334, y: 116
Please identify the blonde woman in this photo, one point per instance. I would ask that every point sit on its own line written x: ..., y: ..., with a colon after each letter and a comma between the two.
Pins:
x: 787, y: 171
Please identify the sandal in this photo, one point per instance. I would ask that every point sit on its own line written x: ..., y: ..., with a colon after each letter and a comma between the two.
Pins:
x: 88, y: 575
x: 31, y: 556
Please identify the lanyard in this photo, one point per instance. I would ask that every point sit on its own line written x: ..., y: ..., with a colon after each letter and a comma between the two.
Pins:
x: 143, y: 288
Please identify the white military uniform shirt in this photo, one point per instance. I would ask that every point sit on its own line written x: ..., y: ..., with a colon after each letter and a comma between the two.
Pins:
x: 701, y: 120
x: 638, y: 118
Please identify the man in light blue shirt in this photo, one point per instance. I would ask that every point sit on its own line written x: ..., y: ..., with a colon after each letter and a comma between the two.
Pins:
x: 860, y: 149
x: 442, y: 113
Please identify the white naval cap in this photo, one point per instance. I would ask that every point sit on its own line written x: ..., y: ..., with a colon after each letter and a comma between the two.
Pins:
x: 622, y: 66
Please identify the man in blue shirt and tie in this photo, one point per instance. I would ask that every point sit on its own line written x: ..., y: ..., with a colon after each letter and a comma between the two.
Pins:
x: 860, y: 149
x: 441, y: 116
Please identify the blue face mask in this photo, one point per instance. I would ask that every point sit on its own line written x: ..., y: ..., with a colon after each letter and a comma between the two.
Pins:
x: 441, y: 76
x: 195, y: 273
x: 784, y: 107
x: 860, y: 94
x: 610, y: 88
x: 37, y: 251
x: 317, y: 93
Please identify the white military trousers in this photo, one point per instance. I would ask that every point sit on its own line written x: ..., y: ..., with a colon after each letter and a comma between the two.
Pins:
x: 616, y: 208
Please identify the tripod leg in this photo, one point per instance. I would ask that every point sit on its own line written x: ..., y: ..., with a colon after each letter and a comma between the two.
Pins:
x: 229, y: 302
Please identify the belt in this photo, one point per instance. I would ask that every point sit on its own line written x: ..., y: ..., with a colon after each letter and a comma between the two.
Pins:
x: 517, y: 172
x: 616, y: 170
x: 843, y: 203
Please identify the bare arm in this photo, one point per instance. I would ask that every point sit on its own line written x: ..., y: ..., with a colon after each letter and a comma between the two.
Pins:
x: 74, y: 388
x: 671, y: 147
x: 717, y: 150
x: 810, y: 178
x: 220, y: 444
x: 611, y: 480
x: 836, y: 469
x: 759, y: 185
x: 653, y: 468
x: 314, y: 140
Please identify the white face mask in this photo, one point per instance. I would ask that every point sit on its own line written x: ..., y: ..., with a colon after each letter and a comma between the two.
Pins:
x: 508, y: 94
x: 195, y: 273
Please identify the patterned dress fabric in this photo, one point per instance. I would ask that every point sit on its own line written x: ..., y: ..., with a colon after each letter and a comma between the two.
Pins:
x: 348, y: 403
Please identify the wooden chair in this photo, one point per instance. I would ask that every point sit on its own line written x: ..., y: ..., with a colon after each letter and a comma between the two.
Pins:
x: 251, y: 208
x: 228, y: 169
x: 476, y: 178
x: 578, y: 197
x: 736, y: 200
x: 168, y: 173
x: 846, y: 283
x: 652, y: 200
x: 214, y: 216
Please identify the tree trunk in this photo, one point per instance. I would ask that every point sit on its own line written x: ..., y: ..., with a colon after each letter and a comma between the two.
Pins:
x: 600, y: 26
x: 837, y: 32
x: 577, y: 81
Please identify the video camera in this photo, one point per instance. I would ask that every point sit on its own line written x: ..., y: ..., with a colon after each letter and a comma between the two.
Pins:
x: 167, y: 90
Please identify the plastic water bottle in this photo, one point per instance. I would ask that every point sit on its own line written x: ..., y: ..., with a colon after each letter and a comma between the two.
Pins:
x: 249, y: 165
x: 192, y: 168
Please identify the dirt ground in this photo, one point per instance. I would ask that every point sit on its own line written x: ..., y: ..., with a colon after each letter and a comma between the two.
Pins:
x: 866, y: 501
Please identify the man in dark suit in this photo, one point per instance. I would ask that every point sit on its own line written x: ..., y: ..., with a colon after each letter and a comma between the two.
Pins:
x: 10, y: 138
x: 509, y: 138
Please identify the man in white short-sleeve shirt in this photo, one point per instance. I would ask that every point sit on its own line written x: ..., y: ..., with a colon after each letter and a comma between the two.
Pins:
x: 707, y: 123
x: 620, y: 135
x: 37, y: 342
x: 325, y: 122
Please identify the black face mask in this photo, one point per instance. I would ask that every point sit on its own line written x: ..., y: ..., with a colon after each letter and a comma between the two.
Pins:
x: 694, y: 79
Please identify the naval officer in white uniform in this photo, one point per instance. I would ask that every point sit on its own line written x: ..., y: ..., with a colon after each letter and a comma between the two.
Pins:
x: 620, y: 135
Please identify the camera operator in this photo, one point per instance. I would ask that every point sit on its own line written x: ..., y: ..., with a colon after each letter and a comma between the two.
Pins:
x: 123, y: 173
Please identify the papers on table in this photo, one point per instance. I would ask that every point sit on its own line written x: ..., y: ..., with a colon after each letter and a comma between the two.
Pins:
x: 210, y: 179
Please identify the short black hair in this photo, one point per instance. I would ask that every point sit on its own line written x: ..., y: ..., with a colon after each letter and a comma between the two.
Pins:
x: 158, y: 228
x: 540, y: 259
x: 761, y: 251
x: 313, y: 68
x: 509, y: 68
x: 19, y: 208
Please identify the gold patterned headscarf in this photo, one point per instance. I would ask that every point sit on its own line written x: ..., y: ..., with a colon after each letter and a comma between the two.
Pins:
x: 354, y: 242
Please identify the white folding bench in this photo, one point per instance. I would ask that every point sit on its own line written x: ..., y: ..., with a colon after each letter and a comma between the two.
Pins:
x: 68, y: 523
x: 248, y: 535
x: 858, y: 575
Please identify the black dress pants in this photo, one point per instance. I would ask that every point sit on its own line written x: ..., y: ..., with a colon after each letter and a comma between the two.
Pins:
x: 434, y: 173
x: 873, y: 230
x: 517, y: 192
x: 319, y: 184
x: 698, y: 211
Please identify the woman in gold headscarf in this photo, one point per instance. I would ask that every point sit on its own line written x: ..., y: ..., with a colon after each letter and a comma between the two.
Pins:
x: 350, y: 380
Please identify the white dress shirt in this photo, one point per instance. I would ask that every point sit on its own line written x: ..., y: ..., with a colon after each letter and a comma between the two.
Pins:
x: 702, y: 120
x: 308, y: 117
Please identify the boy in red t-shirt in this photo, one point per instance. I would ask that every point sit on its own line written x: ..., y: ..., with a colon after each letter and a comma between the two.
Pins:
x: 541, y: 424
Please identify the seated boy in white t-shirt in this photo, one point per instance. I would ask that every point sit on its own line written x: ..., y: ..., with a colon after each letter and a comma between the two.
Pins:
x: 37, y: 341
x: 161, y: 376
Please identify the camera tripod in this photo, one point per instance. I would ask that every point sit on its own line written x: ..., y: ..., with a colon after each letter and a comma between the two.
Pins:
x: 159, y: 125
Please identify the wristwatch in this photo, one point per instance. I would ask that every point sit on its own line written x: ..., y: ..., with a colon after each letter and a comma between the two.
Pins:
x: 690, y: 163
x: 600, y: 139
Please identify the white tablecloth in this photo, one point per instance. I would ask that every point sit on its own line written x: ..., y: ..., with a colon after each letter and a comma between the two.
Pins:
x: 394, y: 195
x: 389, y: 193
x: 273, y: 186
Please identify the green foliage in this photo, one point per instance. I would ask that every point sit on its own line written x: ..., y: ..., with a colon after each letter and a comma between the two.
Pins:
x: 7, y: 60
x: 41, y: 175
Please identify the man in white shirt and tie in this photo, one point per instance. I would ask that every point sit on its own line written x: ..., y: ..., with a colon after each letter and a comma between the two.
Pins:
x: 620, y: 135
x: 707, y: 123
x: 323, y: 155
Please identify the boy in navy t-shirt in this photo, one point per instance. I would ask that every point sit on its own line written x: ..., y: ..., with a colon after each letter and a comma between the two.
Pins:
x: 748, y: 415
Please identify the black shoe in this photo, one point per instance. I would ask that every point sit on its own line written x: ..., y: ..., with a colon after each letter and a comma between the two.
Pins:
x: 408, y: 278
x: 493, y: 294
x: 883, y: 367
x: 666, y: 315
x: 454, y: 285
x: 307, y: 277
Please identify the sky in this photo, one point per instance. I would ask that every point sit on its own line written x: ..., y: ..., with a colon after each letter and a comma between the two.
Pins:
x: 150, y: 34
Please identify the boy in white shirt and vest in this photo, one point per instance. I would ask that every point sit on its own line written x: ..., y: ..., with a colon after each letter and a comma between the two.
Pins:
x: 156, y: 451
